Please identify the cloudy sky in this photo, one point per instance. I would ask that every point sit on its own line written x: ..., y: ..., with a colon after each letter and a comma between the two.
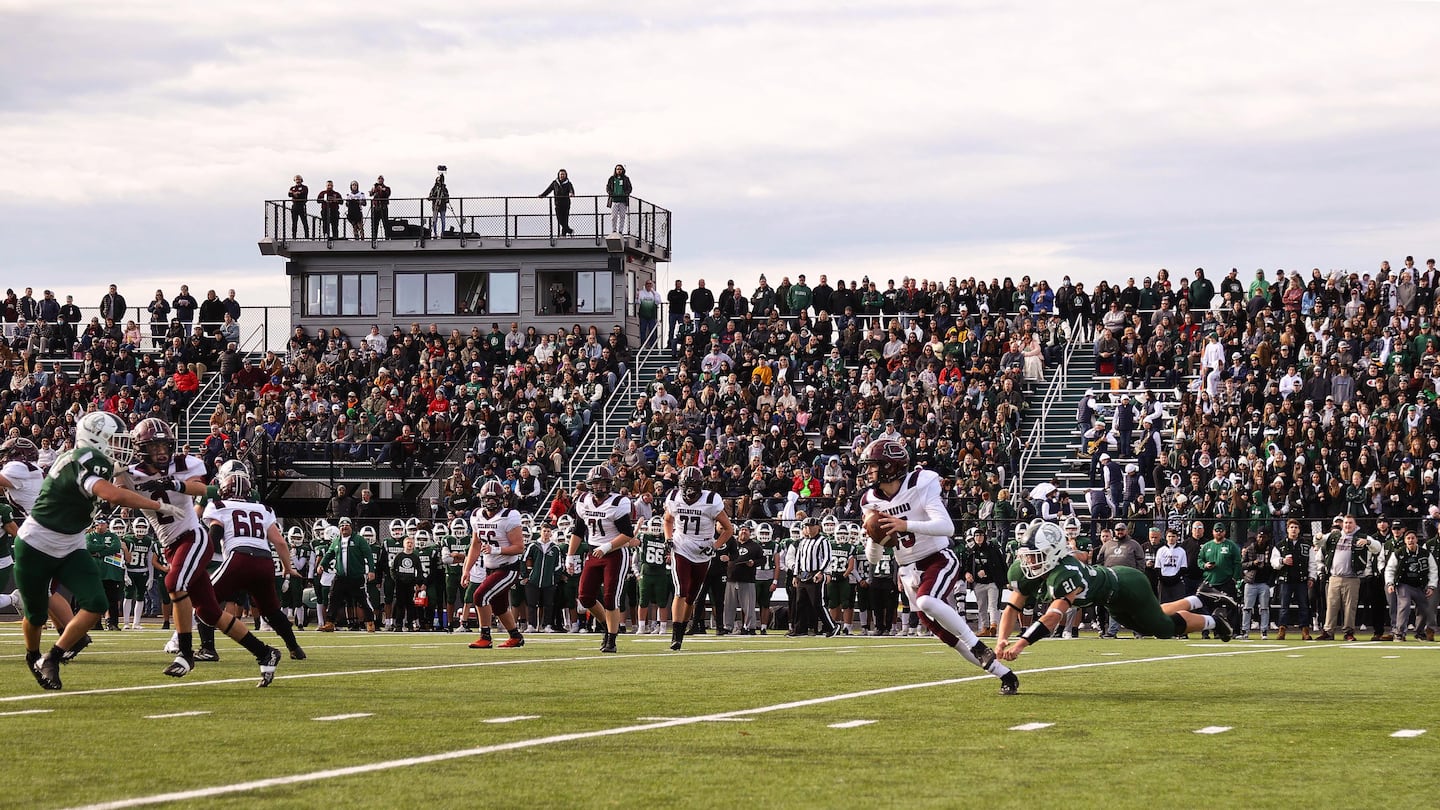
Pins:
x: 889, y: 138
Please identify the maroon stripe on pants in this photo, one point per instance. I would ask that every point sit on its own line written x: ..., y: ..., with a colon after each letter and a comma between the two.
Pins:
x: 187, y: 558
x: 245, y: 573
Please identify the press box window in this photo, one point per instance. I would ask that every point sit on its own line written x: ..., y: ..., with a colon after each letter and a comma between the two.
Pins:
x: 340, y: 294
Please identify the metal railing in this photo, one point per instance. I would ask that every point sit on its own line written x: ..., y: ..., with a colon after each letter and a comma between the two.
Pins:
x: 1058, y: 382
x: 262, y: 328
x: 588, y: 450
x: 471, y: 219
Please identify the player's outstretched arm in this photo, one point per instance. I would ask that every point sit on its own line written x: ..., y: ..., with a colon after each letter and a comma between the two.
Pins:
x: 1042, y: 627
x: 124, y: 497
x: 1009, y: 618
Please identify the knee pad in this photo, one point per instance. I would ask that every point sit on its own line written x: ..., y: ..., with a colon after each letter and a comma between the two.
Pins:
x: 927, y: 603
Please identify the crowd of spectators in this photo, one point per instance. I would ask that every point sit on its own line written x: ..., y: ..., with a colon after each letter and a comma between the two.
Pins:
x: 122, y: 367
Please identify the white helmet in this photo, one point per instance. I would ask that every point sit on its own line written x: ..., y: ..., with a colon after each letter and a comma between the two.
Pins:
x: 441, y: 532
x: 830, y: 525
x: 140, y: 527
x: 367, y: 533
x: 108, y: 433
x: 397, y: 528
x: 1043, y: 547
x: 1071, y: 527
x: 459, y: 528
x: 118, y: 525
x: 332, y: 533
x: 564, y: 524
x: 764, y: 533
x: 295, y: 536
x: 422, y: 539
x: 317, y: 529
x: 412, y: 525
x: 1020, y: 529
x: 527, y: 522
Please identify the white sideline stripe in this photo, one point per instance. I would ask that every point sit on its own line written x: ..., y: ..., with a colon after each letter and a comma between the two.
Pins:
x: 1031, y: 726
x: 26, y: 711
x: 504, y: 662
x: 1294, y: 656
x: 852, y: 724
x: 716, y: 720
x: 1389, y: 656
x: 354, y: 716
x: 1213, y: 729
x: 176, y: 714
x: 1409, y: 732
x: 1110, y: 653
x: 517, y: 718
x: 466, y: 753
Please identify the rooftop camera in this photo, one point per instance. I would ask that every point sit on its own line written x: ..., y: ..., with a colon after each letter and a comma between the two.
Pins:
x: 441, y: 168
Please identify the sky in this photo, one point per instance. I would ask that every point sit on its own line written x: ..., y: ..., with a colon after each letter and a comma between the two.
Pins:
x: 888, y: 139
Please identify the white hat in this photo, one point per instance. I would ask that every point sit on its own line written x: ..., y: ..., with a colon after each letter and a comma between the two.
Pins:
x: 1104, y: 456
x: 1179, y: 499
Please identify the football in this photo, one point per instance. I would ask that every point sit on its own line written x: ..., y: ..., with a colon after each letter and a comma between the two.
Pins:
x: 879, y: 535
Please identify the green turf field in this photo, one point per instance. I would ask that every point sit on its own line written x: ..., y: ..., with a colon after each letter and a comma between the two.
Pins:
x: 726, y: 723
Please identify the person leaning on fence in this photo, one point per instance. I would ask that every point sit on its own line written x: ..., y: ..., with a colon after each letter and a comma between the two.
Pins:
x: 330, y: 200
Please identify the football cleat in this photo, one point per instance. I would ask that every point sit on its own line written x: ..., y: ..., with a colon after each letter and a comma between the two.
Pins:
x: 1215, y: 598
x: 1009, y: 684
x: 207, y: 654
x: 984, y: 656
x: 1222, y: 628
x: 608, y: 645
x: 833, y: 631
x: 74, y: 651
x: 268, y: 663
x: 481, y: 643
x: 47, y: 672
x: 515, y: 641
x: 297, y: 654
x: 31, y: 659
x: 172, y: 647
x: 675, y: 645
x: 180, y: 667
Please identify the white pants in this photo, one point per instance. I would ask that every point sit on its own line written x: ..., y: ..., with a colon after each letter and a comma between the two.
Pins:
x: 619, y: 212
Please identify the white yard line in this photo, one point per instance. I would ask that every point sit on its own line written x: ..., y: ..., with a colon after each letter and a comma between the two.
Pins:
x: 851, y: 724
x: 176, y: 714
x: 554, y: 739
x: 1031, y: 726
x: 494, y: 662
x: 26, y: 711
x: 353, y: 716
x: 1213, y: 729
x: 1408, y: 732
x: 517, y: 718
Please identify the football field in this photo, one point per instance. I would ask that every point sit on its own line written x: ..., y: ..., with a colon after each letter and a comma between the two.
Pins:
x: 402, y: 720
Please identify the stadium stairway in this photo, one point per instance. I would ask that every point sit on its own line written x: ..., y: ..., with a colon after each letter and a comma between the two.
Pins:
x: 1050, y: 420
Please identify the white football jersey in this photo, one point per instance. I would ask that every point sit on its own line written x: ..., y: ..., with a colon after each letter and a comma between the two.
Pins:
x: 596, y: 520
x: 246, y: 524
x: 917, y: 499
x: 493, y: 530
x: 25, y: 482
x: 693, y: 535
x: 168, y: 529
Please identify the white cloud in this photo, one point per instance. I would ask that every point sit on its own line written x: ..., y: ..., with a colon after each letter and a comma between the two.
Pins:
x: 1086, y: 136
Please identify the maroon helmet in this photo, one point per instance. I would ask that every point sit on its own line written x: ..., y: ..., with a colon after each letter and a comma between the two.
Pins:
x: 691, y: 482
x: 886, y: 459
x: 599, y: 481
x: 492, y: 496
x: 154, y: 442
x: 19, y: 448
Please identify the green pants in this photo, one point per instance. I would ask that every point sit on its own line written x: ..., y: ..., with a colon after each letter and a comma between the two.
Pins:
x: 1134, y: 606
x: 655, y: 589
x: 137, y: 584
x: 452, y: 587
x: 34, y: 571
x: 839, y: 594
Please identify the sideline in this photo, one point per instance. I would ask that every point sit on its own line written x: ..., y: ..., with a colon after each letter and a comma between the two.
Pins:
x: 465, y: 753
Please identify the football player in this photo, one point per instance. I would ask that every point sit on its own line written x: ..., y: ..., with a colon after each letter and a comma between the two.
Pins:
x: 139, y: 552
x: 20, y: 481
x: 655, y: 581
x: 51, y: 543
x: 292, y: 600
x: 496, y: 534
x: 1047, y: 572
x: 176, y: 479
x: 246, y: 531
x: 909, y: 506
x: 692, y: 514
x: 603, y: 523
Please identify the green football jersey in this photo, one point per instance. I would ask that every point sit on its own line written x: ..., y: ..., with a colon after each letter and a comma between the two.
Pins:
x: 839, y: 558
x: 138, y: 551
x: 64, y: 505
x: 460, y: 546
x: 652, y: 555
x: 1096, y: 584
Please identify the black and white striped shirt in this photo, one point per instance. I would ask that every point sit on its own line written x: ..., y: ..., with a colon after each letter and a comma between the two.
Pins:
x: 812, y: 555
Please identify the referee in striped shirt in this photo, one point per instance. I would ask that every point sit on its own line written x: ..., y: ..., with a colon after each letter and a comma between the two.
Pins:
x: 812, y: 559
